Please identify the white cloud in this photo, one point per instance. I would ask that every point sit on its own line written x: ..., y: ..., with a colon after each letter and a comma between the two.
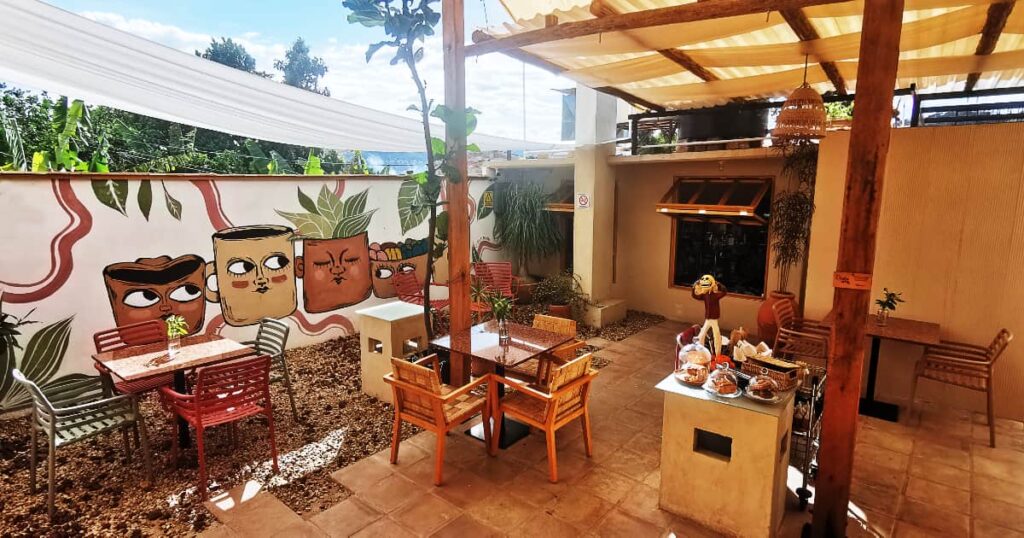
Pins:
x: 494, y: 83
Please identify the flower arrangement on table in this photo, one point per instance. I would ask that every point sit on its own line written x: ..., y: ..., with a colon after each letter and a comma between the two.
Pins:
x: 176, y: 328
x: 501, y: 308
x: 887, y: 303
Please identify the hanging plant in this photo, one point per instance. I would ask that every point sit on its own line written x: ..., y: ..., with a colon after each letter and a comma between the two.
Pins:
x: 793, y: 210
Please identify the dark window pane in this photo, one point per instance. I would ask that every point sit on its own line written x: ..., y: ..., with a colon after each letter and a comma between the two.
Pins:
x: 687, y: 189
x: 745, y: 193
x: 736, y: 254
x: 713, y: 192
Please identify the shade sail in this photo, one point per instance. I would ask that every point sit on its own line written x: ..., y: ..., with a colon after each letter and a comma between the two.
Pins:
x: 761, y: 55
x: 45, y: 47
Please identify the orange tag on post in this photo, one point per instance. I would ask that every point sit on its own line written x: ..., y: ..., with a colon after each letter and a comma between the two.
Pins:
x: 851, y: 281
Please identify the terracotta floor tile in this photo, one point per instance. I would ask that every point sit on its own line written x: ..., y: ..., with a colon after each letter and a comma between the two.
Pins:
x: 999, y: 453
x: 580, y: 508
x: 345, y: 518
x: 959, y: 458
x: 645, y: 443
x: 938, y: 495
x: 501, y: 511
x: 426, y: 514
x: 408, y: 454
x: 610, y: 435
x: 871, y: 525
x: 625, y: 461
x: 998, y: 513
x: 609, y: 485
x: 299, y: 529
x: 870, y: 455
x: 544, y: 525
x: 986, y: 486
x: 391, y: 493
x: 465, y: 526
x: 868, y: 473
x: 933, y: 518
x: 259, y: 515
x: 464, y: 487
x: 618, y: 523
x: 984, y: 529
x: 1004, y: 470
x: 422, y: 472
x: 900, y: 443
x: 642, y: 502
x: 571, y: 465
x: 1004, y: 424
x: 384, y: 527
x: 497, y: 470
x: 943, y: 474
x: 533, y: 487
x: 683, y: 528
x: 907, y: 530
x: 880, y: 499
x: 654, y: 478
x: 363, y: 474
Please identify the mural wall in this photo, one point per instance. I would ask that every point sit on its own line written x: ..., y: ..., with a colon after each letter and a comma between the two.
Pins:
x: 227, y: 252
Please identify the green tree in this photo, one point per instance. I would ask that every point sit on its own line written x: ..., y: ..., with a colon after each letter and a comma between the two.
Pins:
x: 302, y: 70
x: 228, y: 52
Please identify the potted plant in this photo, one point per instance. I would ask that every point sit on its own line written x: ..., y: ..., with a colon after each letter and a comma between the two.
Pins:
x: 501, y: 308
x: 525, y: 228
x: 561, y: 294
x: 839, y: 114
x: 887, y: 303
x: 176, y: 328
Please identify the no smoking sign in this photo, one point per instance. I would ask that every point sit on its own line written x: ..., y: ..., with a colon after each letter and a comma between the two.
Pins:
x: 583, y: 200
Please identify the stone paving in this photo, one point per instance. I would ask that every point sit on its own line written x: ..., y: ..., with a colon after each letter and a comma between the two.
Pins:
x: 933, y: 478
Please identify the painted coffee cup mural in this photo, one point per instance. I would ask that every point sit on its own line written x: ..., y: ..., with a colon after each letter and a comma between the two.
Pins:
x: 151, y: 288
x: 335, y: 264
x: 252, y: 275
x: 386, y: 259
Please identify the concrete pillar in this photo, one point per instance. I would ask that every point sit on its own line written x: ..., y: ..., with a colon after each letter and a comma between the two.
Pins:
x: 593, y: 227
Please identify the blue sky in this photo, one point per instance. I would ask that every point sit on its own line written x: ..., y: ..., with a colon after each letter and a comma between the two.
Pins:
x: 267, y: 28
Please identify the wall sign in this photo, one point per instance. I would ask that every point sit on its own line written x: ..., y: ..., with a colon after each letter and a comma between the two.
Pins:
x: 583, y: 200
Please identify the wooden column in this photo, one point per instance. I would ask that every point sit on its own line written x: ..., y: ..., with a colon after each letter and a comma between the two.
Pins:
x: 869, y: 143
x: 453, y: 37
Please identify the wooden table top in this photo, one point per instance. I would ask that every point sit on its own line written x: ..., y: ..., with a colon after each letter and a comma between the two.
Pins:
x: 137, y: 362
x: 481, y: 342
x: 901, y: 329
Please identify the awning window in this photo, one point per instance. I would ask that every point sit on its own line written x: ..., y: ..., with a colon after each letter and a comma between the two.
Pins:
x: 701, y: 198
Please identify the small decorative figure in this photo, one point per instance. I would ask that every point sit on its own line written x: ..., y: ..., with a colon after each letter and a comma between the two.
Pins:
x: 710, y: 292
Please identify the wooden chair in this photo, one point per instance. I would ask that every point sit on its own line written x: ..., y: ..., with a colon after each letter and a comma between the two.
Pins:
x: 538, y: 371
x: 225, y: 393
x: 410, y: 290
x: 497, y: 277
x: 798, y: 337
x: 421, y: 399
x: 137, y: 334
x: 963, y: 365
x: 567, y: 401
x: 75, y: 411
x: 272, y: 339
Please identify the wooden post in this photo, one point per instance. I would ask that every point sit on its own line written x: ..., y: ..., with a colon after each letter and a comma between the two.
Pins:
x: 869, y: 143
x: 453, y: 37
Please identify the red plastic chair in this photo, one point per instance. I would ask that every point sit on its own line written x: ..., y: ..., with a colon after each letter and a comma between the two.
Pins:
x: 223, y: 394
x: 497, y: 277
x: 137, y: 334
x: 410, y: 290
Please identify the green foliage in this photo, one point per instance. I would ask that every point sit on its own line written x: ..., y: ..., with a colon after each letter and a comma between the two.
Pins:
x: 228, y: 52
x: 176, y: 327
x: 524, y: 226
x: 889, y: 300
x: 329, y: 217
x: 12, y: 149
x: 10, y: 330
x: 561, y: 289
x: 483, y: 211
x: 839, y: 110
x: 302, y: 70
x: 43, y: 356
x: 793, y: 210
x: 501, y: 306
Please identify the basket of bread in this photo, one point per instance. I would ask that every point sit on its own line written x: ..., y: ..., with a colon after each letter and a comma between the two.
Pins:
x: 786, y: 374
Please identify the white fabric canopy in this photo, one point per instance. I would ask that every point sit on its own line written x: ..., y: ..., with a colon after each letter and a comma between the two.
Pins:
x: 45, y: 47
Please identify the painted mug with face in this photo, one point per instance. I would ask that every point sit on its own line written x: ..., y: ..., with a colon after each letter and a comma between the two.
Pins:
x: 252, y: 275
x: 155, y: 288
x: 335, y: 273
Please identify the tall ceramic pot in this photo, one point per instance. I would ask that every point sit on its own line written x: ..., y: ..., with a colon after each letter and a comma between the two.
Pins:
x: 766, y: 327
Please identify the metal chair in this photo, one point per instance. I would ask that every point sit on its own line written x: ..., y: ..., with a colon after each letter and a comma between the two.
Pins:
x: 271, y: 339
x: 798, y: 337
x: 497, y: 277
x: 410, y: 290
x: 963, y: 365
x: 567, y: 401
x: 538, y: 370
x: 225, y: 393
x: 136, y: 334
x: 75, y: 411
x: 421, y: 399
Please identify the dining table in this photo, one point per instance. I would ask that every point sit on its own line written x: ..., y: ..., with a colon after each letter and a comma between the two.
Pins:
x: 481, y: 341
x: 138, y: 362
x: 911, y: 331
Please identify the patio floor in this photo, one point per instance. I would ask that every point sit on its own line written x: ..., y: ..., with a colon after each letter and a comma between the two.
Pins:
x: 936, y: 478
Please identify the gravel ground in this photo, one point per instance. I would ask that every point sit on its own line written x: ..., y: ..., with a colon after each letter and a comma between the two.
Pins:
x: 100, y: 493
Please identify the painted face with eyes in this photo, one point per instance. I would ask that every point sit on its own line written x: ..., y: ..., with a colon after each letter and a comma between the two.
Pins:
x: 335, y: 273
x: 253, y: 274
x: 152, y: 288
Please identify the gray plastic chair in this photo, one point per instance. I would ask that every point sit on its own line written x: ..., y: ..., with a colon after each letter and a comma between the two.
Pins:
x: 271, y: 339
x: 75, y: 411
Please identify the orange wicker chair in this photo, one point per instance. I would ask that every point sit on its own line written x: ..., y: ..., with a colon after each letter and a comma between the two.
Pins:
x: 798, y: 337
x: 421, y: 399
x: 538, y: 371
x: 567, y: 401
x: 963, y: 365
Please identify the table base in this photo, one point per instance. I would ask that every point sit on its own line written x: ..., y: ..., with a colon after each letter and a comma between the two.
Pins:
x: 511, y: 432
x: 184, y: 439
x: 882, y: 410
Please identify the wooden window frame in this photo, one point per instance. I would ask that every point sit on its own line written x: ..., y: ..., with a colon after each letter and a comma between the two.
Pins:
x: 668, y: 205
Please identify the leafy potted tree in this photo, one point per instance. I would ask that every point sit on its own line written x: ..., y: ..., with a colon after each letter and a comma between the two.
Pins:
x: 562, y: 295
x: 526, y: 229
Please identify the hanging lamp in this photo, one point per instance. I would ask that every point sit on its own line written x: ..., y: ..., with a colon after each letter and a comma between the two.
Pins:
x: 802, y: 116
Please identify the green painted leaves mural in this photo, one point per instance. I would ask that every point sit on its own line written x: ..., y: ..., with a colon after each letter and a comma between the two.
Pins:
x: 329, y: 217
x: 111, y: 193
x: 413, y: 207
x: 145, y: 197
x: 173, y: 205
x: 43, y: 356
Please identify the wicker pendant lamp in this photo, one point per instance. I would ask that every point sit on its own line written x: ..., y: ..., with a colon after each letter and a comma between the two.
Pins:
x: 802, y: 116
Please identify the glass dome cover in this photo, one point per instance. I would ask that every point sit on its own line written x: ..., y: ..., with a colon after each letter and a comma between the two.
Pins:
x: 723, y: 382
x: 693, y: 374
x: 695, y: 354
x: 763, y: 387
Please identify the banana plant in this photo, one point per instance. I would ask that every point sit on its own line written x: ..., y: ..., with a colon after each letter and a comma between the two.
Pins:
x: 11, y: 144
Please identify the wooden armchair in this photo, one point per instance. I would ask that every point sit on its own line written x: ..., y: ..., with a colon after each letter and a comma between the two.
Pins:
x: 567, y: 401
x: 421, y: 399
x: 538, y: 371
x: 798, y: 337
x: 963, y: 365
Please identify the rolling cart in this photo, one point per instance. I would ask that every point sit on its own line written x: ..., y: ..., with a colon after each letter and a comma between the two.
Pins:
x: 807, y: 430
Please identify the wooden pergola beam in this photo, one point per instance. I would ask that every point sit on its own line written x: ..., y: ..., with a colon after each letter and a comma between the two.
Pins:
x: 630, y: 98
x: 803, y: 28
x: 865, y: 171
x: 698, y: 11
x: 994, y: 24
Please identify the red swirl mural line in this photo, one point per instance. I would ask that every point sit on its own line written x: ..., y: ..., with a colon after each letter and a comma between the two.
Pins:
x: 339, y: 187
x: 61, y: 259
x: 330, y: 322
x: 214, y: 326
x: 211, y: 198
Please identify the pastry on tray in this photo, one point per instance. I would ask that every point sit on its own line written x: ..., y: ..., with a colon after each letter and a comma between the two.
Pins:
x: 762, y: 387
x: 693, y: 374
x: 724, y: 385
